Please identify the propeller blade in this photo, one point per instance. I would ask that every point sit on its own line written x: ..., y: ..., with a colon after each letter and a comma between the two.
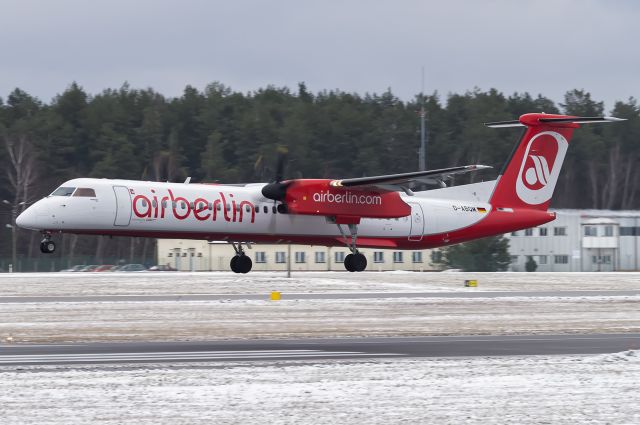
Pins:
x: 283, y: 153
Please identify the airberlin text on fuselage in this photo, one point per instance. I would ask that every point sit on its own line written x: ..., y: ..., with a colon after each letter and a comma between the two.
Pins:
x: 201, y: 209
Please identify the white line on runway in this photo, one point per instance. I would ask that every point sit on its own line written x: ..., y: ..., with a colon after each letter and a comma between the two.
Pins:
x: 203, y: 356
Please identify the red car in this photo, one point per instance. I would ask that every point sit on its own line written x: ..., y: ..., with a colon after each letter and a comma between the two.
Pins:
x: 103, y: 268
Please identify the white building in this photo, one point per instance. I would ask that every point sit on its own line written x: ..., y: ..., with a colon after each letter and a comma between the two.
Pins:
x: 196, y: 255
x: 580, y: 240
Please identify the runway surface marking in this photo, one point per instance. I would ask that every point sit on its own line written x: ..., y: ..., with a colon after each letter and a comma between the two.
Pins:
x: 195, y: 356
x: 315, y: 296
x: 325, y: 349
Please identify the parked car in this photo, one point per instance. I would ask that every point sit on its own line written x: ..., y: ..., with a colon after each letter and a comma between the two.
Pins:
x: 104, y: 268
x: 76, y: 268
x: 132, y: 268
x: 161, y: 268
x: 90, y: 268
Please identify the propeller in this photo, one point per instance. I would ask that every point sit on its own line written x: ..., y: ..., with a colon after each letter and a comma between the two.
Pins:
x: 277, y: 189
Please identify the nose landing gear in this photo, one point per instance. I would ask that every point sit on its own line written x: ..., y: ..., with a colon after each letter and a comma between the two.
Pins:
x: 240, y: 263
x: 47, y: 246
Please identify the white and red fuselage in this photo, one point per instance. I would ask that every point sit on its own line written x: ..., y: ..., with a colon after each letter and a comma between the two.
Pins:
x: 242, y: 214
x: 316, y: 210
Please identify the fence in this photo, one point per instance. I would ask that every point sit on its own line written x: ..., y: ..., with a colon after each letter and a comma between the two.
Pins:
x: 53, y: 264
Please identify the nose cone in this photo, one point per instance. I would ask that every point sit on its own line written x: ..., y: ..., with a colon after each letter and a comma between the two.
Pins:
x: 28, y: 219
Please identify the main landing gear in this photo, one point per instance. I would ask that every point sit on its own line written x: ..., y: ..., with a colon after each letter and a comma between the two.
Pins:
x: 47, y: 246
x: 356, y: 261
x: 240, y: 263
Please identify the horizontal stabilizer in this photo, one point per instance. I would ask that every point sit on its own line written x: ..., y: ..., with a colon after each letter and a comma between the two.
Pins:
x: 554, y: 120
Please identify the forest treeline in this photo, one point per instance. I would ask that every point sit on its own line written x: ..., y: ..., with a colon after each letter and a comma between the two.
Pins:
x: 226, y: 136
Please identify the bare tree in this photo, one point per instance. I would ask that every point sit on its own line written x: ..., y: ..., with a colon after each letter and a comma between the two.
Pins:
x: 22, y: 174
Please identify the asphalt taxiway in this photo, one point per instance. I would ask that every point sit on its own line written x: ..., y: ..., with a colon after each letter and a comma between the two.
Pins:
x: 314, y: 349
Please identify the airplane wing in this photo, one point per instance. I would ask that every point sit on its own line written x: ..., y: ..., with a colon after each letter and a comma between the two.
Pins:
x: 400, y: 181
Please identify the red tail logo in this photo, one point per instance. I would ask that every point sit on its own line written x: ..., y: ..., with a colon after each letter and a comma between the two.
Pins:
x: 540, y: 168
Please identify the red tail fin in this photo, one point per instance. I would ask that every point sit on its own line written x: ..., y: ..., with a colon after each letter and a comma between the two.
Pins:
x: 530, y: 176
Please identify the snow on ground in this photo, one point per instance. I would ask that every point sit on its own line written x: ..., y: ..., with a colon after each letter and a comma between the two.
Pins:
x: 34, y: 284
x: 226, y: 319
x: 498, y: 390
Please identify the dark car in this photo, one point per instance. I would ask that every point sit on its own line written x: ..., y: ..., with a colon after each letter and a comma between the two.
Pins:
x: 132, y: 268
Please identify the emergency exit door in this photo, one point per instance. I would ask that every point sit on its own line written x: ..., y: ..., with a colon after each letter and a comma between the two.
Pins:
x: 417, y: 222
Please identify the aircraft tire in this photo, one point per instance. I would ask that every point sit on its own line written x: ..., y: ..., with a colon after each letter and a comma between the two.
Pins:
x: 47, y: 247
x: 234, y: 264
x: 244, y: 264
x: 359, y: 262
x: 349, y: 263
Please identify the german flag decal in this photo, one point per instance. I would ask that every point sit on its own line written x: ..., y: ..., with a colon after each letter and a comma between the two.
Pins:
x: 481, y: 210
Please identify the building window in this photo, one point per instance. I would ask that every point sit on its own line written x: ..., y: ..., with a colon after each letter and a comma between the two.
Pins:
x: 300, y: 257
x: 320, y: 257
x: 559, y: 231
x: 339, y: 257
x: 608, y: 231
x: 514, y: 233
x: 528, y: 232
x: 397, y: 257
x: 436, y: 256
x: 281, y: 257
x: 629, y: 231
x: 590, y: 231
x: 514, y: 259
x: 561, y: 259
x: 378, y: 257
x: 261, y: 257
x: 542, y: 259
x: 605, y: 259
x: 416, y: 257
x: 543, y: 231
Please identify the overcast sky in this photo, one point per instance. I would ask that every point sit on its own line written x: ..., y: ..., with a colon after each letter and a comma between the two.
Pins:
x: 543, y: 47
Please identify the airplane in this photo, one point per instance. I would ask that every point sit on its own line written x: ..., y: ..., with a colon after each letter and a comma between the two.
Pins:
x: 365, y: 212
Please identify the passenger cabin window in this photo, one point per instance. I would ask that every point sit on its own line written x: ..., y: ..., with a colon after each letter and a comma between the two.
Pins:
x: 85, y: 192
x: 63, y: 191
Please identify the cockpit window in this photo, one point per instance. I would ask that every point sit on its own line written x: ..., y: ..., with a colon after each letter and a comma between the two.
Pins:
x: 63, y: 191
x: 86, y: 192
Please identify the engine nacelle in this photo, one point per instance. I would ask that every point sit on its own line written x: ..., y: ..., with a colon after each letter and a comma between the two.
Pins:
x: 318, y: 197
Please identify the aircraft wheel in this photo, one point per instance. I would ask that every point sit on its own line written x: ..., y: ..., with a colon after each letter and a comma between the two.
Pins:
x: 234, y: 264
x: 359, y: 262
x: 244, y: 264
x: 349, y: 263
x: 47, y: 247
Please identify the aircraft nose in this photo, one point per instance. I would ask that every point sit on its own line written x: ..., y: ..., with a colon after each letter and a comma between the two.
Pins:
x: 28, y: 219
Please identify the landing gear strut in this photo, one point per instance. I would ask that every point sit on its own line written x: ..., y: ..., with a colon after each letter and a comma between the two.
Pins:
x: 356, y: 261
x: 240, y: 263
x: 47, y: 246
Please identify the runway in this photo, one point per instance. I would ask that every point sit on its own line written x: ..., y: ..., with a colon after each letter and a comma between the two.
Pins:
x: 317, y: 296
x: 312, y: 349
